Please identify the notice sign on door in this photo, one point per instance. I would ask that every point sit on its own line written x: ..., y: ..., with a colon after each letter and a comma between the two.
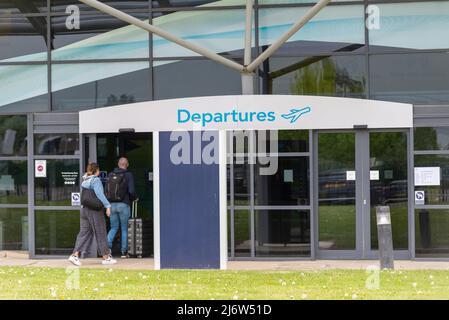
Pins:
x: 76, y: 199
x: 69, y: 177
x: 427, y: 176
x: 350, y: 175
x: 420, y: 197
x: 40, y: 168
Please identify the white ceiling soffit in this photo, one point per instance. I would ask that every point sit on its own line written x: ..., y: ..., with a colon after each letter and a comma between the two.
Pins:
x: 247, y: 112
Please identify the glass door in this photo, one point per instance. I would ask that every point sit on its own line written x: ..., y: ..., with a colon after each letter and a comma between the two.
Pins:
x: 356, y: 172
x: 337, y: 201
x: 388, y: 186
x: 138, y: 148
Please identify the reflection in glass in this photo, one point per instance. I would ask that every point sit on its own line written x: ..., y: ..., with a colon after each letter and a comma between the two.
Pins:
x: 287, y: 185
x: 388, y: 161
x: 13, y: 135
x: 336, y: 191
x: 241, y: 181
x: 13, y: 182
x: 61, y: 5
x: 128, y: 82
x: 9, y: 7
x: 220, y: 31
x: 99, y: 36
x: 13, y: 229
x: 420, y: 78
x: 56, y: 144
x: 341, y: 76
x: 335, y: 29
x: 192, y: 78
x: 287, y: 141
x: 432, y: 138
x: 56, y: 231
x: 431, y: 233
x: 435, y: 194
x: 23, y: 38
x: 417, y: 25
x: 62, y: 179
x: 293, y: 140
x: 242, y: 234
x: 13, y: 97
x: 282, y: 233
x: 189, y: 3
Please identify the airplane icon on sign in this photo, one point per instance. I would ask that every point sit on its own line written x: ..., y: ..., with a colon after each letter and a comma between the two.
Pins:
x: 295, y: 114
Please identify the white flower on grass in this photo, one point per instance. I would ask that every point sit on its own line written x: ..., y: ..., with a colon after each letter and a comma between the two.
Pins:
x: 235, y: 297
x: 293, y: 282
x: 430, y: 277
x: 102, y: 284
x: 19, y: 282
x: 432, y: 283
x: 53, y: 292
x: 95, y: 289
x: 189, y: 282
x: 110, y: 270
x: 304, y: 296
x: 354, y: 296
x: 126, y: 278
x: 414, y: 284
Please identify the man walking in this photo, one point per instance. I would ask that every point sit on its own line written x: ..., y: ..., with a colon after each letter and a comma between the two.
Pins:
x: 120, y: 192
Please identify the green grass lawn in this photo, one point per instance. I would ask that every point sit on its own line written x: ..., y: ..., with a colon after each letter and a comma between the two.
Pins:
x: 45, y: 283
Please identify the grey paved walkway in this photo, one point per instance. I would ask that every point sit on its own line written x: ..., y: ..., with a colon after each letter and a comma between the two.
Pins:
x: 21, y: 259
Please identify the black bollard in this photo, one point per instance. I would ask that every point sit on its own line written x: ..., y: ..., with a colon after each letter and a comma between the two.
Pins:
x: 385, y: 237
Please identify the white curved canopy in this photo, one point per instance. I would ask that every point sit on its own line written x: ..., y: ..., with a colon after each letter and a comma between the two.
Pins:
x: 247, y: 112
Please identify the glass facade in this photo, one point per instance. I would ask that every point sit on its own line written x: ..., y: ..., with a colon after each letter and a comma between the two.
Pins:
x: 270, y: 199
x: 64, y: 56
x: 56, y: 231
x: 13, y: 183
x: 85, y: 59
x: 431, y: 215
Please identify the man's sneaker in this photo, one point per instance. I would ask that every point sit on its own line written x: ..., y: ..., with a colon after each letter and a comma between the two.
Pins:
x: 75, y: 260
x: 109, y: 260
x: 124, y: 256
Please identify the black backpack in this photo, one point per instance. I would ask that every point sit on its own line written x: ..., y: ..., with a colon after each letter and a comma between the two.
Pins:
x: 116, y: 187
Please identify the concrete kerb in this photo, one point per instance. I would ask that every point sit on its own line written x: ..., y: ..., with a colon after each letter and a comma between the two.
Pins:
x: 9, y: 258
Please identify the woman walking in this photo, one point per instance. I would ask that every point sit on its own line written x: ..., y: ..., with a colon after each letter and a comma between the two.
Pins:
x: 92, y: 221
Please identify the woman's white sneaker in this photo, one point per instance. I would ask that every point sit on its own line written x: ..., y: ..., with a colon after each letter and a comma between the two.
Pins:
x: 75, y: 260
x: 109, y: 260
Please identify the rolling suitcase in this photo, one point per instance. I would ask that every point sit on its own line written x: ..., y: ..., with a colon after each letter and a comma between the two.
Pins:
x: 140, y: 235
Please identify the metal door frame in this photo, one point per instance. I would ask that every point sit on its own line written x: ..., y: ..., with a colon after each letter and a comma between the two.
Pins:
x: 362, y: 224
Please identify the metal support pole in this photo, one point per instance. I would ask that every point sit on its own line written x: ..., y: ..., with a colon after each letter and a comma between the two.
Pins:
x: 295, y: 28
x: 163, y: 34
x: 248, y: 77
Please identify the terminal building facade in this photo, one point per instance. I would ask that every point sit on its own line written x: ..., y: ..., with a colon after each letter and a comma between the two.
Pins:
x: 60, y: 57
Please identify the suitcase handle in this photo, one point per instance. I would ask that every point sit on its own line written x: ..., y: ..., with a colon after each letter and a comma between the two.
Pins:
x: 134, y: 209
